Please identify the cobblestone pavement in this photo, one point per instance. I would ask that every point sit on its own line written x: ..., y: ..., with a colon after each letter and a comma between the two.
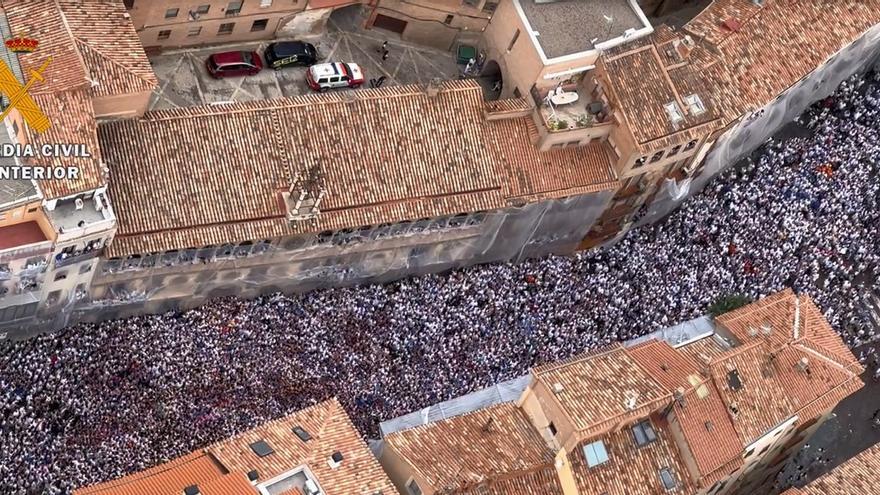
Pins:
x: 184, y: 80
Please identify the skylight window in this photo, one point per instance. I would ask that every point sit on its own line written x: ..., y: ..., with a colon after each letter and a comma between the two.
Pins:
x: 595, y: 453
x: 261, y: 448
x: 674, y: 112
x: 695, y: 104
x: 643, y: 433
x: 668, y: 479
x: 301, y: 433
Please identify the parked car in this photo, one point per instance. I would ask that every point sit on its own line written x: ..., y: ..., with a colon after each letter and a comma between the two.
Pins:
x: 322, y: 77
x: 287, y: 53
x: 229, y: 64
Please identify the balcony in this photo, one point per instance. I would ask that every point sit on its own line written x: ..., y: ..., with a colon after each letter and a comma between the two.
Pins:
x: 570, y: 107
x: 65, y: 259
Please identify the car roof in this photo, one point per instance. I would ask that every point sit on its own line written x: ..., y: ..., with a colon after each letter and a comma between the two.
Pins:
x: 235, y: 57
x: 288, y: 48
x: 335, y: 69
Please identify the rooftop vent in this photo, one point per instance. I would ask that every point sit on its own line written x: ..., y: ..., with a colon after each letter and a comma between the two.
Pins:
x: 733, y: 380
x: 558, y: 388
x: 261, y: 448
x: 679, y: 396
x: 335, y: 460
x: 631, y: 401
x: 434, y: 87
x: 734, y: 409
x: 253, y: 475
x: 191, y: 490
x: 709, y: 426
x: 803, y: 365
x: 301, y: 433
x: 766, y: 328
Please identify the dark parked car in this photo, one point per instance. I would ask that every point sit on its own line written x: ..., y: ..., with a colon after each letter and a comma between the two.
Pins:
x: 228, y: 64
x: 286, y: 53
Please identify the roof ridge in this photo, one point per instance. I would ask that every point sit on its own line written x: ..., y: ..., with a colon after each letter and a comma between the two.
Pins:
x: 112, y: 60
x: 602, y: 351
x: 287, y: 102
x: 63, y: 16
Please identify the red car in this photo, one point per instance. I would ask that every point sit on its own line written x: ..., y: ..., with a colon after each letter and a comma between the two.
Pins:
x: 230, y: 64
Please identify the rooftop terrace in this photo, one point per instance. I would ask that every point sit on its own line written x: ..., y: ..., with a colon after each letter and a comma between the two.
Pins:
x: 564, y: 27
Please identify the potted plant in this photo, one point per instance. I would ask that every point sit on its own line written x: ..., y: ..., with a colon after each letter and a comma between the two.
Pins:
x: 584, y: 120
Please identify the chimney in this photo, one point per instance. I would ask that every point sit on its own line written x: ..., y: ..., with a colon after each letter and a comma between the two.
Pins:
x: 803, y: 365
x: 558, y: 388
x: 434, y: 87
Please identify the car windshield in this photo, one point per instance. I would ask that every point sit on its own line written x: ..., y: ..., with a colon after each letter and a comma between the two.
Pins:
x: 213, y: 64
x: 247, y: 58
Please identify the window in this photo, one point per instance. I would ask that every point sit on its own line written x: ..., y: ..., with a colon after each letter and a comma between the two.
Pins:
x: 412, y: 488
x: 640, y: 162
x: 202, y: 9
x: 194, y: 31
x: 53, y: 297
x: 164, y: 34
x: 490, y: 6
x: 85, y: 268
x: 449, y: 19
x: 690, y: 145
x: 265, y: 3
x: 128, y: 4
x: 60, y: 276
x: 552, y: 429
x: 667, y: 478
x: 513, y: 40
x: 695, y: 104
x: 171, y: 13
x: 259, y: 25
x: 595, y: 453
x: 643, y: 433
x: 764, y: 450
x: 674, y: 151
x: 234, y: 8
x: 226, y: 28
x: 657, y: 156
x: 673, y: 112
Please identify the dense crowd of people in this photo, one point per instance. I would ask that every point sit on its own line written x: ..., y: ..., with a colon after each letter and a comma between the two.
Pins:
x: 97, y: 401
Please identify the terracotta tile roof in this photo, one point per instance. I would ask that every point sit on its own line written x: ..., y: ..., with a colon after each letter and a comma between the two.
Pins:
x: 489, y: 445
x: 666, y: 365
x: 399, y: 156
x: 858, y: 475
x: 87, y: 39
x: 773, y: 388
x: 331, y: 430
x: 508, y: 105
x: 544, y: 482
x: 776, y: 45
x: 220, y: 469
x: 631, y: 470
x: 596, y: 388
x: 709, y: 432
x: 646, y: 76
x: 73, y: 121
x: 703, y: 350
x: 110, y: 47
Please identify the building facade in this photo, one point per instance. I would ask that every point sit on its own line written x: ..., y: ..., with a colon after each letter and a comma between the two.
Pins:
x: 53, y: 230
x: 716, y: 414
